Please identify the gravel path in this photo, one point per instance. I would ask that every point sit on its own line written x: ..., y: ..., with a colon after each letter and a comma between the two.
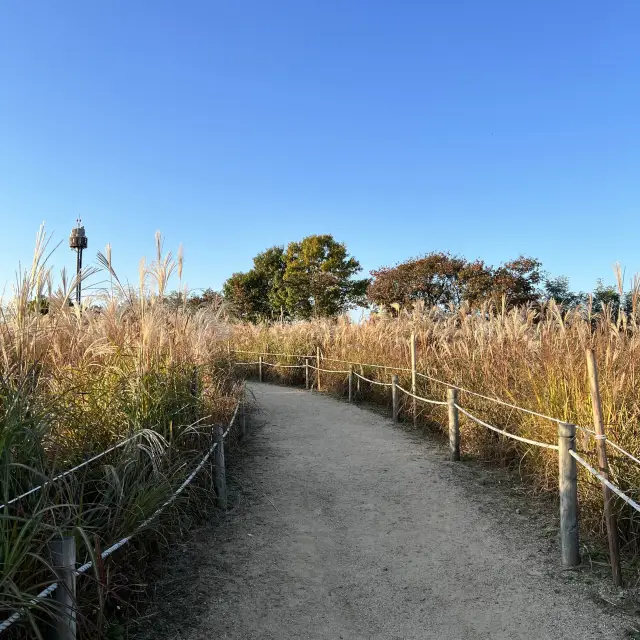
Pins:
x: 350, y: 528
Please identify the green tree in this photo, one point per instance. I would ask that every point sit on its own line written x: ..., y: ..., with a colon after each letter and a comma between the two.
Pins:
x: 558, y: 289
x: 269, y: 267
x: 256, y: 294
x: 248, y: 294
x: 318, y: 278
x: 194, y: 301
x: 605, y: 295
x: 311, y: 278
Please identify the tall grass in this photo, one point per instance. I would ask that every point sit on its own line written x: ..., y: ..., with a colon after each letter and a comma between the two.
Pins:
x: 532, y: 358
x: 74, y: 382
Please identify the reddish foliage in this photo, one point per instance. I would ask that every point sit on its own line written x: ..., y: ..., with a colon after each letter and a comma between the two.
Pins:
x: 441, y: 279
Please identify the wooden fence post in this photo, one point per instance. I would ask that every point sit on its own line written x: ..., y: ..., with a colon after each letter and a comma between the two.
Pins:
x: 601, y: 445
x: 259, y: 368
x: 395, y: 408
x: 350, y: 383
x: 454, y: 425
x: 220, y: 479
x: 412, y: 344
x: 63, y: 559
x: 318, y: 369
x: 568, y: 486
x: 306, y: 373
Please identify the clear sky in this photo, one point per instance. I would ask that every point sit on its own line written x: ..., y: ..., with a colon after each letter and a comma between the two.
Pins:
x: 488, y: 128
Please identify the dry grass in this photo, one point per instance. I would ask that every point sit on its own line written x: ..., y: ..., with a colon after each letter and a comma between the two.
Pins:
x: 71, y: 384
x: 535, y: 359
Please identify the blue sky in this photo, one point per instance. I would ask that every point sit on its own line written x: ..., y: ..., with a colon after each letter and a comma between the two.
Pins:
x: 487, y: 128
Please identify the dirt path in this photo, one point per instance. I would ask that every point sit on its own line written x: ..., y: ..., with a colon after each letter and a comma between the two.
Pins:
x: 350, y: 528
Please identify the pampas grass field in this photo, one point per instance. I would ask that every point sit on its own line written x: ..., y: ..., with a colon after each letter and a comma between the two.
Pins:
x: 74, y: 383
x: 533, y: 358
x: 137, y: 363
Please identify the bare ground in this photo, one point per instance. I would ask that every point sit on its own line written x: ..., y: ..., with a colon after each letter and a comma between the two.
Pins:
x: 346, y: 527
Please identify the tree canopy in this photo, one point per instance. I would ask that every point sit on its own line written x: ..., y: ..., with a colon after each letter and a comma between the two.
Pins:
x: 315, y: 277
x: 208, y: 298
x: 441, y: 279
x: 310, y: 278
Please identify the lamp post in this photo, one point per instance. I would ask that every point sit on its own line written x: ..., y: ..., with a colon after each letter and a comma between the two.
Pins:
x: 78, y: 241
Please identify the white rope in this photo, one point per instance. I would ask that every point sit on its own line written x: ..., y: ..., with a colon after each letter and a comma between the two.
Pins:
x: 419, y: 397
x: 284, y: 366
x: 105, y: 554
x: 328, y: 370
x: 5, y: 624
x: 428, y: 377
x: 603, y: 437
x: 364, y: 364
x: 382, y: 384
x: 266, y: 353
x: 314, y: 357
x: 257, y: 362
x: 591, y: 431
x: 506, y: 433
x: 121, y: 543
x: 181, y: 488
x: 621, y: 450
x: 233, y: 419
x: 14, y: 617
x: 606, y: 482
x: 66, y: 473
x: 85, y: 567
x: 497, y: 400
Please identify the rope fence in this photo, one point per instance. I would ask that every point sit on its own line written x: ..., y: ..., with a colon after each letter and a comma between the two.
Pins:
x: 380, y: 384
x: 364, y: 364
x: 496, y: 400
x: 605, y: 482
x: 52, y: 588
x: 506, y: 433
x: 620, y: 449
x: 327, y: 370
x: 427, y: 400
x: 568, y: 458
x: 264, y: 353
x: 70, y: 471
x: 565, y: 447
x: 284, y: 366
x: 450, y: 385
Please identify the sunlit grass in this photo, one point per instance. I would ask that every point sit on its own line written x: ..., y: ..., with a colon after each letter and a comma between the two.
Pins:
x: 532, y: 358
x: 74, y: 383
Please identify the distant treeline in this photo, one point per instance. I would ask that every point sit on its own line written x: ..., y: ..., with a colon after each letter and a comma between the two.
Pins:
x: 316, y: 278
